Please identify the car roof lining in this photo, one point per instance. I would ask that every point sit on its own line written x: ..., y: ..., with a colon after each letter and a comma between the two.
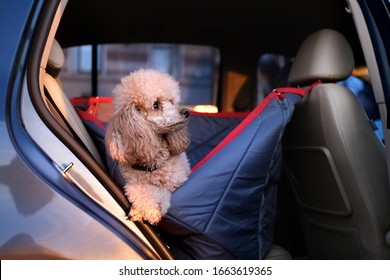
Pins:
x: 214, y: 22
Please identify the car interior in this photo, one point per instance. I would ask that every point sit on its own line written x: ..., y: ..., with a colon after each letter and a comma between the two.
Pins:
x: 334, y: 193
x: 347, y: 182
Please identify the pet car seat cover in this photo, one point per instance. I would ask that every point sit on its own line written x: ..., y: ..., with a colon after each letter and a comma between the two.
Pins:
x: 207, y: 130
x: 227, y: 207
x: 88, y: 110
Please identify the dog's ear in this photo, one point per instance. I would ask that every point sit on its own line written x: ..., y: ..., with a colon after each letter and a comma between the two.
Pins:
x: 113, y: 138
x: 178, y: 141
x: 130, y: 139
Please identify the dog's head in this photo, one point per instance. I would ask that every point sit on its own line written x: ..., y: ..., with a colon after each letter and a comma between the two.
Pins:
x: 155, y: 96
x: 147, y: 116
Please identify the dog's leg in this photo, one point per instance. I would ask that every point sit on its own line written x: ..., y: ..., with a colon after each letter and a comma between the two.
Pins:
x: 165, y: 200
x: 148, y: 202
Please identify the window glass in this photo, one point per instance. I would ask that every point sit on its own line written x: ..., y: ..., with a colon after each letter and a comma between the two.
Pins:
x: 195, y: 67
x: 272, y: 73
x: 359, y: 84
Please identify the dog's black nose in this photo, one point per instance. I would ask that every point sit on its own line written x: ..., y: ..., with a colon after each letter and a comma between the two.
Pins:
x: 185, y: 112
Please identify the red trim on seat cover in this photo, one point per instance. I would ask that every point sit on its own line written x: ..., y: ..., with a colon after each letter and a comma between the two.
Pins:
x: 252, y: 115
x: 237, y: 130
x: 238, y: 115
x: 93, y: 102
x: 88, y: 117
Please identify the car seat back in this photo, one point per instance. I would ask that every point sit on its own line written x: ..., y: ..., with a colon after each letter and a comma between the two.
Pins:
x: 335, y: 162
x: 59, y: 104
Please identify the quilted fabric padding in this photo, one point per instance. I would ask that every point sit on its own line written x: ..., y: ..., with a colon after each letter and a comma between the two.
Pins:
x: 226, y: 210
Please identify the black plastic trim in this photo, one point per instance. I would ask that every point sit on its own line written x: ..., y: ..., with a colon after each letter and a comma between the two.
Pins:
x: 378, y: 29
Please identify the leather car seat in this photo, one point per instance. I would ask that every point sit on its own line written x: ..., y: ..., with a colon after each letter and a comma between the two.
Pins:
x: 59, y: 105
x: 335, y: 162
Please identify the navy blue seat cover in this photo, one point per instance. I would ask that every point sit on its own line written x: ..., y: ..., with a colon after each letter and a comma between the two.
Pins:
x: 208, y: 130
x: 226, y: 209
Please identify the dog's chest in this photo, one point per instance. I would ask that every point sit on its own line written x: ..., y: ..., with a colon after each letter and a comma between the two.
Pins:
x: 173, y: 173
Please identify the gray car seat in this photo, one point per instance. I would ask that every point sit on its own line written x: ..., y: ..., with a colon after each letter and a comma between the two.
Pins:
x: 335, y: 162
x: 59, y: 104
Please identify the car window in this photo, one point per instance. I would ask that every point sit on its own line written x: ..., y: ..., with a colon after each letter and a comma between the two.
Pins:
x: 195, y: 67
x: 272, y: 72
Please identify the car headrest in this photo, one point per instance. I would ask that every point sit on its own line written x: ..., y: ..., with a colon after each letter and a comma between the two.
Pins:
x: 56, y: 60
x: 325, y: 55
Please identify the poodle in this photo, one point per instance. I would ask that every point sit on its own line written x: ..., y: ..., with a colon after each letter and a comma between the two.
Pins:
x: 148, y: 136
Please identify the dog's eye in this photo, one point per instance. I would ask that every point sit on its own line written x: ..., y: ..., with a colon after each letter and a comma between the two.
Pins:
x: 155, y: 105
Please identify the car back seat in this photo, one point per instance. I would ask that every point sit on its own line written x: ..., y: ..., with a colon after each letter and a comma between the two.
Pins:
x: 207, y: 131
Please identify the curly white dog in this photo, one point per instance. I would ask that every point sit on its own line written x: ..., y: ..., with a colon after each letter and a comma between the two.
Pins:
x: 148, y: 136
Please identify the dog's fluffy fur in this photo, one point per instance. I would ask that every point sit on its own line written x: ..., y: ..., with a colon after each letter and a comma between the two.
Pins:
x: 148, y: 136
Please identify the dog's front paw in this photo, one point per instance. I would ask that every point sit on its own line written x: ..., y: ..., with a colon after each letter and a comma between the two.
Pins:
x: 135, y: 215
x: 151, y: 214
